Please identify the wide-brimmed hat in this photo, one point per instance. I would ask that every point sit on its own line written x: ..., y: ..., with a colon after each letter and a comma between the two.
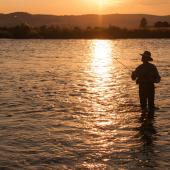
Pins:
x: 146, y: 56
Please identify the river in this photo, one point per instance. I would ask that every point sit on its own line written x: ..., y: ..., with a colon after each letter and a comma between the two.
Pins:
x: 71, y: 104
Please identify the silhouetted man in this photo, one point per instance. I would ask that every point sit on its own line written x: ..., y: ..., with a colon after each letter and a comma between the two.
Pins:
x: 146, y: 75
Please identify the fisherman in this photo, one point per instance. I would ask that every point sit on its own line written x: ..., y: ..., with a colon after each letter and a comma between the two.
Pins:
x: 146, y: 75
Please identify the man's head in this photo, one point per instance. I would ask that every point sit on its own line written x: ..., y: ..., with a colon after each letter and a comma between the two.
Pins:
x: 146, y: 56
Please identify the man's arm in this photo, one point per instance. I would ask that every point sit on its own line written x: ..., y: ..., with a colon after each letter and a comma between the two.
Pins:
x: 134, y: 75
x: 157, y: 76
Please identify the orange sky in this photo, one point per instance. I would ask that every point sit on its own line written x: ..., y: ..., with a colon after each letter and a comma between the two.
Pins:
x: 67, y: 7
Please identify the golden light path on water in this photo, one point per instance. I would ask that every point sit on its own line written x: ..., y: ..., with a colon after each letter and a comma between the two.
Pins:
x: 104, y: 125
x: 109, y: 124
x: 101, y: 68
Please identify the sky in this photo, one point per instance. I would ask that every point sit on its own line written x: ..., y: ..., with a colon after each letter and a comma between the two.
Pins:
x: 78, y: 7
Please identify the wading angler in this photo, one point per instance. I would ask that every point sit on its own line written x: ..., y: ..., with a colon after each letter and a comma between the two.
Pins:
x: 146, y: 75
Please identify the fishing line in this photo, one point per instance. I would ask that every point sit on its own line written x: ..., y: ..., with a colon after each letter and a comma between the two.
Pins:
x: 129, y: 69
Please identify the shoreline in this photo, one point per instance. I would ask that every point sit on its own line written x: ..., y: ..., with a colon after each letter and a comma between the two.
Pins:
x: 24, y: 31
x: 95, y: 38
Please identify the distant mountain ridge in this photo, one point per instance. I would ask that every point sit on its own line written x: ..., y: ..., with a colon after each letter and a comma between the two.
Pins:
x: 120, y: 20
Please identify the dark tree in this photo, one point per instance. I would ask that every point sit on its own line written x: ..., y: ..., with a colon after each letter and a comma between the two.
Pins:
x: 21, y: 31
x: 143, y: 23
x: 161, y: 24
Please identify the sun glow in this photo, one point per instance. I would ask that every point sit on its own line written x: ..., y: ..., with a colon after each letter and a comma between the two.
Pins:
x: 101, y: 5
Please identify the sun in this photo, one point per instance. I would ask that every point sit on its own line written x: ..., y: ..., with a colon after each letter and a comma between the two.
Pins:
x: 103, y: 4
x: 100, y: 3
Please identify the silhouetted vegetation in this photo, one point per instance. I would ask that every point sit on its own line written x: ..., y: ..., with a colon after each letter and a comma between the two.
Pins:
x: 143, y: 23
x: 161, y: 24
x: 21, y: 31
x: 56, y: 32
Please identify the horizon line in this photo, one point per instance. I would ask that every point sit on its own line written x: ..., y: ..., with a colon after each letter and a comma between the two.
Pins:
x: 84, y: 14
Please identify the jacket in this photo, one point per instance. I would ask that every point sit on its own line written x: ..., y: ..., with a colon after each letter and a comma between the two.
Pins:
x: 146, y: 73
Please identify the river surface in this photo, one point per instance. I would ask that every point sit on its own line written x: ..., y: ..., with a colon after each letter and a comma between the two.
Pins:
x: 71, y: 104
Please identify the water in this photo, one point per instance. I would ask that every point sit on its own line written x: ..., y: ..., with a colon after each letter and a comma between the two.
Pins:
x: 68, y: 104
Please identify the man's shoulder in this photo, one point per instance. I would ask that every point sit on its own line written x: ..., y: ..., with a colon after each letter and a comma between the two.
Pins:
x: 146, y: 67
x: 140, y: 66
x: 152, y: 65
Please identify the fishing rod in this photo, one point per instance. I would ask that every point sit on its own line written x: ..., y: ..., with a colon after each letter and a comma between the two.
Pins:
x: 129, y: 69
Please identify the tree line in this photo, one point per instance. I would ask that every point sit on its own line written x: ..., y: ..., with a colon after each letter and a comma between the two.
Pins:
x: 23, y: 31
x: 158, y: 24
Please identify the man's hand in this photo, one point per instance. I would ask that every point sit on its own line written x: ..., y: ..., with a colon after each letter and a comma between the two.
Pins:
x: 133, y: 75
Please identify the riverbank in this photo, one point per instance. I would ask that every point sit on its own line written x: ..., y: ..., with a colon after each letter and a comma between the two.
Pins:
x: 54, y: 32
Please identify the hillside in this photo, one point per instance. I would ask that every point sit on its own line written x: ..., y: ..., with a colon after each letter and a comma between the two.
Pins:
x: 120, y: 20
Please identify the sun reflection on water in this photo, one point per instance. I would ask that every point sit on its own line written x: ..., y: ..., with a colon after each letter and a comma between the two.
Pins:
x: 101, y: 70
x: 102, y: 58
x: 103, y: 124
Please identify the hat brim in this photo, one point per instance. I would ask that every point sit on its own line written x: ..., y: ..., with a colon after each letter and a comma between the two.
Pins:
x: 142, y: 54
